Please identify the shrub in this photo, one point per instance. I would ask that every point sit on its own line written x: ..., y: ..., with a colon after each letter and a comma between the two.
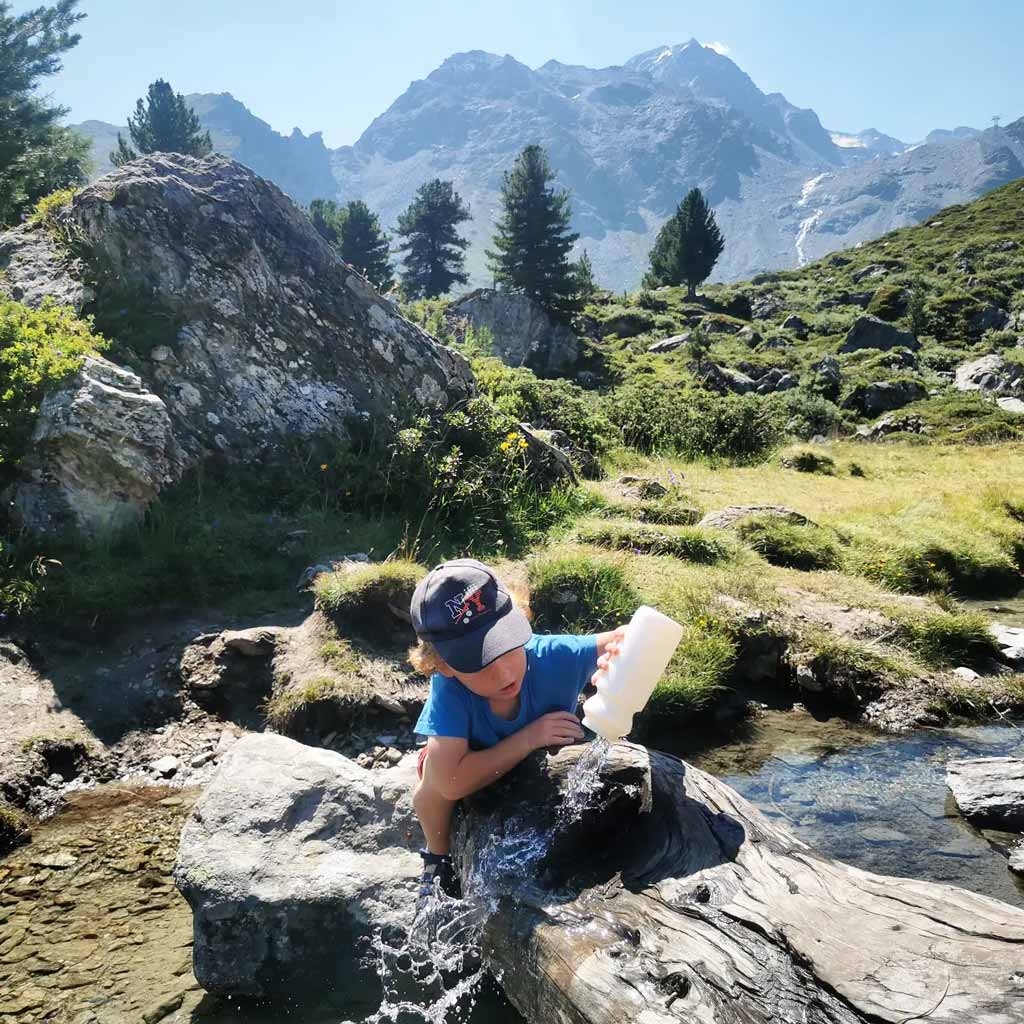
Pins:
x: 948, y: 637
x: 39, y: 348
x: 577, y: 593
x: 46, y: 210
x: 657, y: 418
x: 548, y: 404
x: 365, y: 594
x: 805, y: 460
x: 802, y: 414
x: 689, y: 544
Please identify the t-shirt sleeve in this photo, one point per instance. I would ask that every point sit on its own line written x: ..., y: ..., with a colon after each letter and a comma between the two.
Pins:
x: 446, y: 712
x: 568, y: 662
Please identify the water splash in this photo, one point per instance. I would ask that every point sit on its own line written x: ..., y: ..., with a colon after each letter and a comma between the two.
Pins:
x: 435, y: 974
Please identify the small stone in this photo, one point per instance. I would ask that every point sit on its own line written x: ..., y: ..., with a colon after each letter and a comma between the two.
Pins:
x: 55, y: 780
x: 166, y: 766
x: 392, y: 755
x: 967, y: 674
x: 200, y: 759
x: 164, y: 1008
x: 61, y: 859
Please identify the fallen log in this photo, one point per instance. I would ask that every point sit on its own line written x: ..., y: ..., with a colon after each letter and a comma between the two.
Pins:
x: 670, y: 898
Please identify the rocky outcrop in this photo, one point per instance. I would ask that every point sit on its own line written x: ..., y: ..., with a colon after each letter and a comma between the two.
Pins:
x: 727, y: 518
x: 291, y: 856
x: 871, y: 332
x: 236, y: 316
x: 522, y: 332
x: 102, y: 449
x: 884, y: 396
x: 989, y: 791
x: 796, y: 324
x: 992, y: 375
x: 907, y: 424
x: 669, y: 344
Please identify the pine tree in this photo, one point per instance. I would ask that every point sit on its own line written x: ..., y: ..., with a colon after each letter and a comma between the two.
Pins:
x: 687, y: 246
x: 586, y: 286
x: 326, y: 216
x: 37, y: 154
x: 162, y: 123
x: 433, y: 249
x: 363, y: 244
x: 532, y: 241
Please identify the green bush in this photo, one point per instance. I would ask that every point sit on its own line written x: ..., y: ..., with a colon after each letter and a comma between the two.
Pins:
x: 46, y: 210
x: 803, y: 414
x: 547, y: 404
x: 39, y: 348
x: 655, y: 417
x: 796, y: 547
x: 689, y: 544
x: 578, y: 594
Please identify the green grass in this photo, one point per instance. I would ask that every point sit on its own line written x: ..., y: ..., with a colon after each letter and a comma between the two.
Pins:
x: 668, y: 512
x: 796, y: 547
x: 366, y: 593
x: 575, y: 593
x: 287, y: 710
x: 688, y: 543
x: 947, y: 638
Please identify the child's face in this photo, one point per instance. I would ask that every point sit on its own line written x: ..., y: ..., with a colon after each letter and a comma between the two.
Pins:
x: 501, y: 680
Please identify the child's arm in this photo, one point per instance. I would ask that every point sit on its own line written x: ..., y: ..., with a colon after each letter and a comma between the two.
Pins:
x: 455, y: 771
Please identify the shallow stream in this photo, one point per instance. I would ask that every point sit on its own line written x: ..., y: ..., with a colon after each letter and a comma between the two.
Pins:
x: 93, y: 932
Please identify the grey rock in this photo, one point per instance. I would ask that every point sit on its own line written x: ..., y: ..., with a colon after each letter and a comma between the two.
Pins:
x: 966, y: 674
x: 291, y: 856
x: 884, y: 396
x: 166, y: 766
x: 522, y: 332
x: 796, y: 324
x: 103, y: 447
x: 749, y: 337
x: 871, y: 332
x: 989, y: 791
x: 766, y: 305
x: 992, y: 374
x: 269, y: 336
x: 1016, y: 862
x: 670, y: 344
x: 733, y: 515
x: 548, y: 463
x: 1011, y: 405
x: 872, y: 272
x: 989, y: 318
x: 906, y: 424
x: 828, y: 371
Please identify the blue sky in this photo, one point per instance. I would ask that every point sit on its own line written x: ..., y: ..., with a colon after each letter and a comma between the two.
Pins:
x: 902, y: 66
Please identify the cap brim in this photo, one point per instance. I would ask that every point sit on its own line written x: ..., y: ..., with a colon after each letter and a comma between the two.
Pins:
x: 476, y: 650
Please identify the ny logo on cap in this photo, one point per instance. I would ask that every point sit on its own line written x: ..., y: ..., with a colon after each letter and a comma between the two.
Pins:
x: 459, y: 605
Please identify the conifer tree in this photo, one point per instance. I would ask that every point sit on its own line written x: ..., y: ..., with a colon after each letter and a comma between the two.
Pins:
x: 532, y: 241
x: 433, y: 250
x: 37, y: 154
x: 162, y: 123
x: 363, y: 244
x: 326, y: 216
x: 687, y: 246
x: 586, y: 286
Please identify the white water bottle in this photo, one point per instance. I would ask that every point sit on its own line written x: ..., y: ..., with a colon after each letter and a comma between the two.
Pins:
x: 626, y: 686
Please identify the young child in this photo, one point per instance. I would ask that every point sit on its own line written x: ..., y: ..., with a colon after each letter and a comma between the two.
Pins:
x: 497, y: 692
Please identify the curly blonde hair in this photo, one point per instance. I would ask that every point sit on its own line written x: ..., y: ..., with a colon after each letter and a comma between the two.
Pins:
x: 423, y: 656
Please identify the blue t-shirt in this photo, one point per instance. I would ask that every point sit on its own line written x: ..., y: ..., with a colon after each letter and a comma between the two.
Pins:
x: 557, y: 669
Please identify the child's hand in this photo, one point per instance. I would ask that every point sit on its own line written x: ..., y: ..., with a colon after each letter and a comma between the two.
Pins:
x: 612, y: 647
x: 555, y: 729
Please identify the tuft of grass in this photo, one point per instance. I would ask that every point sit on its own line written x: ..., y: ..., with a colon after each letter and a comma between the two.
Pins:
x: 668, y: 512
x: 369, y: 592
x: 796, y: 547
x: 339, y: 655
x: 688, y: 543
x: 290, y: 707
x: 579, y: 594
x: 698, y: 670
x: 13, y: 827
x: 946, y: 638
x: 806, y: 460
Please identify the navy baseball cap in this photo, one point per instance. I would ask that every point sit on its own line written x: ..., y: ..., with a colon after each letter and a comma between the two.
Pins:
x: 463, y: 609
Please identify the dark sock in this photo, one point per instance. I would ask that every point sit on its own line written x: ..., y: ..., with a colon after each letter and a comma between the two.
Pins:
x: 439, y: 867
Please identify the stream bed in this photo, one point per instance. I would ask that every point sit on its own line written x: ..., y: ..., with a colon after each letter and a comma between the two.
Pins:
x: 92, y: 930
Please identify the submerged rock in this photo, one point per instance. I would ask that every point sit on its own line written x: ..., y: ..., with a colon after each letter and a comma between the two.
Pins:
x: 243, y: 327
x: 291, y: 856
x: 989, y: 791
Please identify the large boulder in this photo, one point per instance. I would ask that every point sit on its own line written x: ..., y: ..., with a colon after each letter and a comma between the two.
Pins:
x: 102, y: 448
x: 884, y: 396
x: 992, y: 375
x: 871, y: 332
x: 522, y: 332
x: 989, y: 791
x: 733, y: 515
x: 233, y: 312
x: 289, y: 859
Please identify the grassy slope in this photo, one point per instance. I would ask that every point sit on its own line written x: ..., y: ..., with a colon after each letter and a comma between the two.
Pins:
x: 961, y: 261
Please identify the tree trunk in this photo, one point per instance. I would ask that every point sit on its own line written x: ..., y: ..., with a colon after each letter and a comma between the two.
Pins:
x: 670, y: 898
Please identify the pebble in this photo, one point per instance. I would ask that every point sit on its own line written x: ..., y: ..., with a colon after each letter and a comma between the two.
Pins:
x: 200, y: 759
x: 166, y: 766
x: 967, y: 674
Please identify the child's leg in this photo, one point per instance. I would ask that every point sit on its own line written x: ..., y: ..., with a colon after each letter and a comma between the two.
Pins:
x: 435, y: 816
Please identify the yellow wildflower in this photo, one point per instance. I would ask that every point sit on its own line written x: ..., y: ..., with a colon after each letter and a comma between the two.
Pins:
x: 522, y: 443
x: 505, y: 445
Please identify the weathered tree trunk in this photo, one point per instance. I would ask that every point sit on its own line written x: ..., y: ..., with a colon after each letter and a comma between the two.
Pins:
x: 670, y: 898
